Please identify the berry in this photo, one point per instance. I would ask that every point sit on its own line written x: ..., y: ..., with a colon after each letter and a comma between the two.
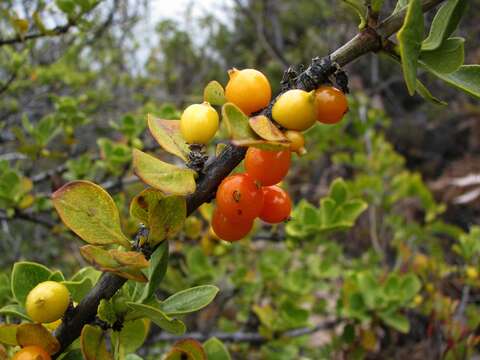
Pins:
x: 295, y: 110
x: 239, y: 197
x: 47, y: 302
x: 227, y: 229
x: 267, y: 167
x: 330, y: 104
x: 199, y: 123
x: 276, y: 205
x: 32, y: 352
x: 297, y: 141
x: 249, y: 89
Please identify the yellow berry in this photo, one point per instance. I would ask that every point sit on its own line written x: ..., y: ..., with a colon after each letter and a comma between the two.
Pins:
x: 199, y: 123
x: 47, y: 302
x: 297, y: 141
x: 471, y: 272
x: 295, y: 110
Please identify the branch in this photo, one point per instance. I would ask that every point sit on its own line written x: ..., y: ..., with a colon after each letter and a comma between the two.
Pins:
x: 216, y: 170
x: 56, y: 31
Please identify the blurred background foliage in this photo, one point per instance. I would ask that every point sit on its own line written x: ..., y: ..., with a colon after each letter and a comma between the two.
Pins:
x: 77, y: 78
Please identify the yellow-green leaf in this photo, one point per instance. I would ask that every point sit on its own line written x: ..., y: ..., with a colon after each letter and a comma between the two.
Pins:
x: 166, y: 218
x: 236, y: 123
x: 466, y: 78
x: 410, y: 39
x: 163, y: 176
x: 8, y: 334
x: 143, y: 202
x: 37, y: 334
x: 214, y: 93
x: 90, y: 212
x: 168, y: 135
x: 93, y: 344
x: 187, y: 349
x: 173, y: 326
x: 266, y: 129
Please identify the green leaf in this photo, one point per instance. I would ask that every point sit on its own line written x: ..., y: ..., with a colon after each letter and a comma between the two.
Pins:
x: 395, y: 320
x: 156, y: 271
x: 8, y: 334
x: 162, y: 176
x: 237, y: 123
x: 73, y: 355
x: 444, y: 24
x: 377, y: 5
x: 189, y: 300
x: 16, y: 311
x: 352, y: 209
x: 214, y: 93
x: 144, y: 202
x: 338, y: 191
x: 78, y: 289
x: 25, y: 276
x: 410, y: 286
x: 168, y: 135
x: 133, y: 334
x: 466, y: 79
x: 400, y: 5
x: 166, y: 218
x: 90, y: 212
x: 359, y: 7
x: 106, y: 312
x: 427, y: 95
x: 57, y: 276
x: 216, y: 350
x: 87, y: 272
x: 173, y: 326
x: 447, y: 58
x: 133, y: 357
x: 93, y: 344
x: 409, y: 38
x: 67, y: 6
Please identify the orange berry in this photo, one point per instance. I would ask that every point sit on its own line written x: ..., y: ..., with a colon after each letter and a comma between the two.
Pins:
x: 268, y: 167
x: 330, y: 104
x: 227, y: 229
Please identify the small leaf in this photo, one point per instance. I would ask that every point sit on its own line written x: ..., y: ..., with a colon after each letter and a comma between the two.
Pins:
x: 78, y: 289
x: 37, y: 334
x: 25, y: 276
x: 129, y: 258
x: 214, y: 93
x: 396, y: 320
x: 444, y: 23
x: 173, y: 326
x: 410, y: 287
x: 266, y: 129
x: 338, y: 191
x: 187, y: 349
x: 143, y: 202
x: 162, y: 176
x: 106, y: 261
x: 236, y: 123
x: 8, y: 334
x: 427, y: 95
x: 106, y: 312
x: 15, y: 310
x: 133, y: 334
x: 377, y: 6
x: 157, y: 269
x: 466, y: 79
x: 93, y: 344
x: 90, y: 212
x: 168, y: 135
x: 216, y: 350
x: 261, y: 144
x: 166, y: 218
x: 189, y: 300
x: 359, y: 8
x: 447, y: 58
x: 410, y: 37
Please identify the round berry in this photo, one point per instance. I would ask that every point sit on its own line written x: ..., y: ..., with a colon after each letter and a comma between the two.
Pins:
x: 199, y: 123
x: 330, y: 104
x: 47, y: 302
x: 32, y: 352
x: 227, y: 229
x: 239, y: 197
x: 295, y: 110
x: 267, y: 167
x: 249, y: 89
x: 276, y: 205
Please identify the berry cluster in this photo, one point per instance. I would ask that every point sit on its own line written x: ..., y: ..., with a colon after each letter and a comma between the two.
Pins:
x: 241, y: 198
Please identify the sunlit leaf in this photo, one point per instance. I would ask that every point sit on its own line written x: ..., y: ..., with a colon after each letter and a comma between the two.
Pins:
x: 173, y: 326
x: 37, y: 334
x: 168, y: 135
x: 93, y: 344
x: 189, y: 300
x: 214, y: 93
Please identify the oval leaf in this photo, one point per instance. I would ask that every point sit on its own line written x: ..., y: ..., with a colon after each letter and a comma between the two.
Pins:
x: 162, y: 176
x: 166, y: 218
x: 78, y: 289
x: 444, y: 24
x: 168, y: 135
x: 143, y: 202
x: 173, y: 326
x: 189, y: 300
x: 216, y: 350
x: 214, y: 93
x: 187, y: 349
x: 156, y: 270
x: 25, y: 276
x: 93, y: 345
x: 466, y: 78
x: 266, y: 129
x: 37, y: 334
x: 236, y: 123
x: 410, y: 37
x: 90, y: 212
x: 447, y: 58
